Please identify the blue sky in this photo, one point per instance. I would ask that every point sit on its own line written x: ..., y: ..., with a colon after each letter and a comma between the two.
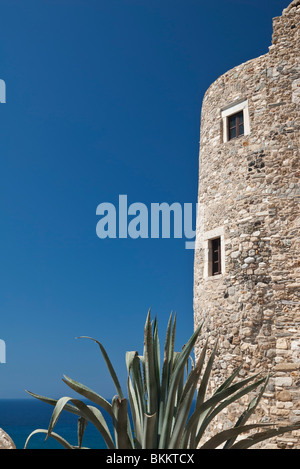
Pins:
x: 103, y: 98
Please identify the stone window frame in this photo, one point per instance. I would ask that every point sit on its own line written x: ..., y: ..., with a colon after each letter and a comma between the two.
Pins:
x: 207, y: 237
x: 231, y: 110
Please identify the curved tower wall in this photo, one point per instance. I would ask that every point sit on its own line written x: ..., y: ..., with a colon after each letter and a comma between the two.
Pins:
x: 249, y: 199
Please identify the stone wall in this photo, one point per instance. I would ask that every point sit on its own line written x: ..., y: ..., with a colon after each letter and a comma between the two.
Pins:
x: 5, y: 441
x: 249, y: 189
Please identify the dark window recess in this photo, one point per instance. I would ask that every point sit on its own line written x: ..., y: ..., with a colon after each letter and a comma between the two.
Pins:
x: 236, y: 125
x: 216, y: 256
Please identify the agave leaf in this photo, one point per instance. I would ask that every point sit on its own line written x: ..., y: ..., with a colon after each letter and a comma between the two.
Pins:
x: 73, y: 410
x: 195, y: 372
x: 184, y: 408
x: 172, y: 350
x: 90, y: 413
x: 234, y: 397
x: 187, y: 365
x: 219, y: 438
x: 134, y: 362
x: 135, y: 413
x: 150, y: 372
x: 136, y: 394
x: 93, y: 415
x: 201, y: 412
x: 230, y: 391
x: 56, y: 437
x: 53, y: 402
x: 180, y: 383
x: 56, y: 413
x: 119, y: 407
x: 156, y: 351
x: 81, y: 426
x: 88, y: 394
x: 142, y: 361
x: 169, y: 354
x: 248, y: 412
x: 189, y: 391
x: 193, y: 429
x: 205, y: 379
x: 166, y: 428
x: 223, y: 386
x: 261, y: 436
x: 149, y: 436
x: 134, y: 372
x: 165, y: 373
x: 108, y: 364
x: 129, y: 357
x: 138, y: 383
x: 229, y: 380
x: 192, y: 434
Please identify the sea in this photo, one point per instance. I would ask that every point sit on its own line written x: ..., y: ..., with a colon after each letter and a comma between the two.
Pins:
x: 20, y: 417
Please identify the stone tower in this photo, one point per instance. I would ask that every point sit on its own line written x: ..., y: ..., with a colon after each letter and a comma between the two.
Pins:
x: 247, y: 256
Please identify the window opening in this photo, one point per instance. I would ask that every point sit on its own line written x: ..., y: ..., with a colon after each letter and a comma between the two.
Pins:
x: 216, y: 264
x: 236, y: 125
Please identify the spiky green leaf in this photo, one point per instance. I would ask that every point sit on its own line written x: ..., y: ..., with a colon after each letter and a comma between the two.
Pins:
x: 119, y: 407
x: 108, y: 364
x: 262, y: 436
x: 169, y: 412
x: 219, y: 438
x: 53, y: 435
x: 150, y: 433
x: 88, y: 394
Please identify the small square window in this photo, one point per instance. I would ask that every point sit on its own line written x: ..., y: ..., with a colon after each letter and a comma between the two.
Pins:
x: 236, y: 121
x: 236, y: 125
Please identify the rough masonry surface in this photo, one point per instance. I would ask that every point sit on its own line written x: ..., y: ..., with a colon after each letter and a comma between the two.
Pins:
x: 249, y: 193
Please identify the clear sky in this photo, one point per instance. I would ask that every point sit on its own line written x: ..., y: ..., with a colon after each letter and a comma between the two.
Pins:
x: 103, y: 98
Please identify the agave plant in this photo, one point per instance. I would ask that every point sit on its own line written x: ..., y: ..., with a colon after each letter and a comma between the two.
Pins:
x: 166, y: 406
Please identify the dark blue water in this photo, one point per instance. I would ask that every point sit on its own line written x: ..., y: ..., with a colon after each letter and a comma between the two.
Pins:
x: 20, y: 417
